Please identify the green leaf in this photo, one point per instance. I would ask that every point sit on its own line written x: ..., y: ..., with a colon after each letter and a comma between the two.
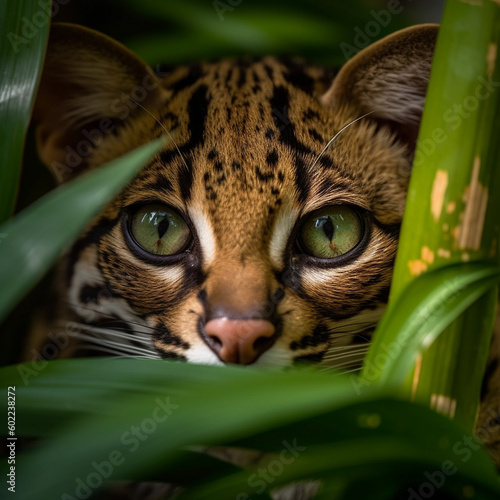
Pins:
x: 416, y: 318
x: 314, y: 425
x: 318, y: 30
x: 34, y: 239
x: 24, y: 25
x: 451, y: 215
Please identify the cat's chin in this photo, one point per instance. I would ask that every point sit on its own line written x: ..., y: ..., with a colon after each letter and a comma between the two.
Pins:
x: 276, y: 357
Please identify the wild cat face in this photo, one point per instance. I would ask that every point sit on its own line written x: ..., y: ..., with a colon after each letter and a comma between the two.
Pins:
x: 265, y: 232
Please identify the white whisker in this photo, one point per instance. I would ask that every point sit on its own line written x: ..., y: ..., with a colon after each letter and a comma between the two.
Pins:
x: 119, y: 346
x: 332, y: 140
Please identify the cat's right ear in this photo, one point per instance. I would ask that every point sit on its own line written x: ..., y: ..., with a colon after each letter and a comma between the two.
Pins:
x: 90, y: 87
x: 388, y: 80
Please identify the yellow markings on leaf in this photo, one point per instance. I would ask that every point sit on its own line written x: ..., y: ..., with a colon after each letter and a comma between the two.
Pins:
x: 427, y: 255
x: 416, y: 377
x: 443, y: 253
x: 450, y: 207
x: 438, y: 192
x: 417, y: 267
x: 444, y: 405
x: 470, y: 232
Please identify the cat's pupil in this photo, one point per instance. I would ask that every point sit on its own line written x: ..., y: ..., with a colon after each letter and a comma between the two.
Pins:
x: 326, y: 224
x: 163, y: 227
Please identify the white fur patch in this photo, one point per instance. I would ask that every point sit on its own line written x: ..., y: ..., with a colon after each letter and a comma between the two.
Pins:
x: 281, y: 233
x: 172, y: 274
x: 106, y: 307
x: 202, y: 354
x: 275, y: 357
x: 205, y: 234
x: 86, y: 273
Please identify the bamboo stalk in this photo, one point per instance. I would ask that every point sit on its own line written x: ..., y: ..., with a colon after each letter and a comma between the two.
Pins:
x: 454, y: 202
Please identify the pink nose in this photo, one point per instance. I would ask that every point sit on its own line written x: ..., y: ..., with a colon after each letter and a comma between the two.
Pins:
x: 239, y: 340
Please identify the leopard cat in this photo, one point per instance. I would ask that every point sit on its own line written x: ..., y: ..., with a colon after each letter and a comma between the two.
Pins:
x: 265, y: 232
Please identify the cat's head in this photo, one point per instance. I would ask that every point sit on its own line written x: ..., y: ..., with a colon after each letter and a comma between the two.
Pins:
x: 266, y: 231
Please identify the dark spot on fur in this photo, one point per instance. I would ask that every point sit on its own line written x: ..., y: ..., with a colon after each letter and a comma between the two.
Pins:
x: 299, y: 78
x: 263, y: 176
x: 281, y: 101
x: 272, y: 158
x: 242, y: 78
x: 490, y: 371
x: 269, y: 71
x: 163, y: 334
x: 315, y: 135
x: 90, y: 294
x: 309, y: 114
x: 194, y: 74
x: 320, y: 335
x: 173, y: 356
x: 309, y: 358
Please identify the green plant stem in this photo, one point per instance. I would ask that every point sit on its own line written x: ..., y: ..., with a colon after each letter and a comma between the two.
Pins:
x: 454, y: 201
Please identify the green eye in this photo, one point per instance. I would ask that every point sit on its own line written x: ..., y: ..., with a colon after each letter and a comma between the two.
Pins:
x: 160, y: 230
x: 331, y: 232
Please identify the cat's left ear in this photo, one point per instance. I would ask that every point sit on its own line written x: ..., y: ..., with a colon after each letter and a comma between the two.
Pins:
x: 388, y: 79
x: 91, y: 87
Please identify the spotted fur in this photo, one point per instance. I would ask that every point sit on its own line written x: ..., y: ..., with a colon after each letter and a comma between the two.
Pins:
x: 250, y: 154
x: 254, y: 146
x: 245, y: 133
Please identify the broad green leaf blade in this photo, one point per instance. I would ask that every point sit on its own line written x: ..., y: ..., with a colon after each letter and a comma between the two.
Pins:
x: 35, y: 238
x: 24, y: 25
x: 417, y: 317
x: 229, y: 409
x: 359, y: 462
x: 156, y: 409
